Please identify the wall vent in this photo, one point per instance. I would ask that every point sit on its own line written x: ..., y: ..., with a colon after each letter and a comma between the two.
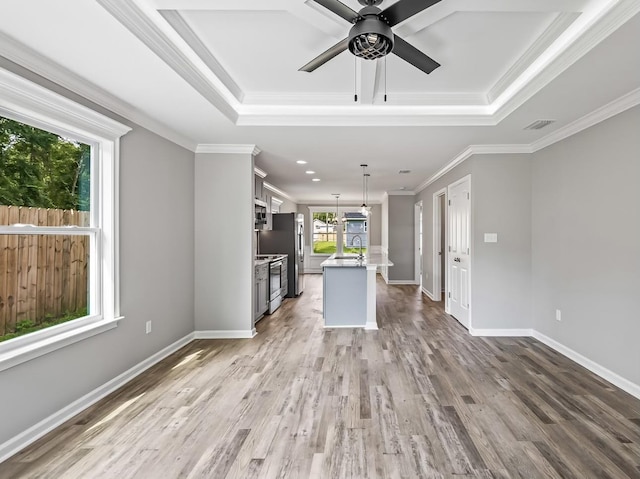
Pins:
x: 404, y: 172
x: 539, y: 124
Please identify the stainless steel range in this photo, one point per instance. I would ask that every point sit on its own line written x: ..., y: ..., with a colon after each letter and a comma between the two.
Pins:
x: 277, y: 279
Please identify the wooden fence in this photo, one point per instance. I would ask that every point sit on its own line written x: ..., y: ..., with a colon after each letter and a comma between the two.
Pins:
x: 41, y: 276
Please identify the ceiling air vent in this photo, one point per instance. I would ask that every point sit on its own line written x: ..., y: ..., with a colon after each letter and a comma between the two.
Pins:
x: 539, y: 124
x: 404, y: 172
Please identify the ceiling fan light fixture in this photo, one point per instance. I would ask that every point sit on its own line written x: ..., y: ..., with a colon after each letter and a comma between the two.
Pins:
x: 371, y: 38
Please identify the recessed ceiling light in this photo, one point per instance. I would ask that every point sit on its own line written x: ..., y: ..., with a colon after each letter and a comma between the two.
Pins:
x: 301, y: 162
x: 310, y: 172
x: 316, y: 179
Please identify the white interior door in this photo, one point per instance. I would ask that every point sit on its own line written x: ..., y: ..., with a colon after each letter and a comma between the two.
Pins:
x: 418, y: 245
x: 458, y: 259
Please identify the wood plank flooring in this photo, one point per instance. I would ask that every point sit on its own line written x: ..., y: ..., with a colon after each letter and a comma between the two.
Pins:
x: 419, y: 398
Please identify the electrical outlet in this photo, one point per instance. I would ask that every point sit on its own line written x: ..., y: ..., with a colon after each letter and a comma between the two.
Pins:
x: 148, y: 327
x: 558, y: 315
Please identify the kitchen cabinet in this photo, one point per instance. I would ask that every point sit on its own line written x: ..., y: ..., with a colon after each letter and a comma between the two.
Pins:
x: 261, y: 300
x: 260, y: 190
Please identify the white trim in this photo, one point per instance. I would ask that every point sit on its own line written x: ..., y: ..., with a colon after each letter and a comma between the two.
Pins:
x: 595, y: 368
x: 226, y: 334
x: 33, y: 104
x: 229, y: 149
x: 28, y: 347
x: 32, y: 60
x: 562, y: 21
x: 259, y: 172
x: 400, y: 193
x: 22, y: 440
x: 447, y: 299
x: 412, y: 282
x: 418, y: 254
x: 346, y: 326
x: 605, y: 112
x: 436, y: 281
x: 278, y: 191
x: 508, y: 333
x: 617, y: 106
x: 427, y: 293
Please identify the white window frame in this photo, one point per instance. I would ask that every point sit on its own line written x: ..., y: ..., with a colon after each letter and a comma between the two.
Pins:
x: 32, y: 104
x: 329, y: 209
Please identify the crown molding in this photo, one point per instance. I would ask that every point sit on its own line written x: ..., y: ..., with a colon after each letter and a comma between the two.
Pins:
x: 584, y: 34
x: 178, y: 23
x: 228, y: 149
x: 591, y: 27
x: 28, y: 58
x: 278, y: 191
x: 544, y: 41
x: 400, y: 193
x: 468, y: 153
x: 259, y: 172
x: 605, y: 112
x: 27, y: 101
x: 148, y: 25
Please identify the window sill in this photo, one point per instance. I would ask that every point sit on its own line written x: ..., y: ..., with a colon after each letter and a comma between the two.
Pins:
x: 19, y: 355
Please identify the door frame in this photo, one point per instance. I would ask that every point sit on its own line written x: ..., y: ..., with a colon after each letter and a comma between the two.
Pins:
x: 417, y: 247
x: 438, y: 281
x: 448, y: 263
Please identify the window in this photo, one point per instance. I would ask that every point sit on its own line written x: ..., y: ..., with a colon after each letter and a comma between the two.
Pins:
x: 355, y: 232
x: 324, y: 226
x: 58, y: 224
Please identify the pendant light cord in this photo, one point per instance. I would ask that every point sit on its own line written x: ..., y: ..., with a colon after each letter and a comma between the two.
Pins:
x: 355, y: 80
x: 385, y: 79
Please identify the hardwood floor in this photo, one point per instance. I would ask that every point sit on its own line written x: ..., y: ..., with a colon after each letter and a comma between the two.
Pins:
x: 418, y: 398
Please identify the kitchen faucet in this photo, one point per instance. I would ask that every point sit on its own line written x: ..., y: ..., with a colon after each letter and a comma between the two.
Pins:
x: 360, y: 256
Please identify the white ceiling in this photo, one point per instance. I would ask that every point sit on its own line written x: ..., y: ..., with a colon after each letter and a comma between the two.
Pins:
x: 226, y: 72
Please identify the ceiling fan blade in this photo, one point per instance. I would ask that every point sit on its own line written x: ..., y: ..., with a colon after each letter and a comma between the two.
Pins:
x: 411, y: 54
x: 326, y: 56
x: 339, y: 9
x: 400, y: 11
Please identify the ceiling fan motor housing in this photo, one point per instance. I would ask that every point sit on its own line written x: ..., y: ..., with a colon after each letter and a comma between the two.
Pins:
x: 370, y: 37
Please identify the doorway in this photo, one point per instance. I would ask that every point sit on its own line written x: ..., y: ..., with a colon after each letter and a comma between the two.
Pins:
x: 459, y: 250
x: 439, y: 273
x: 418, y: 243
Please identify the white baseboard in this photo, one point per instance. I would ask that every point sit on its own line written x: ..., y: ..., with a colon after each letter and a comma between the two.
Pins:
x: 312, y: 271
x: 508, y: 333
x: 223, y: 334
x: 427, y: 294
x: 35, y: 432
x: 613, y: 378
x: 412, y: 282
x: 346, y: 326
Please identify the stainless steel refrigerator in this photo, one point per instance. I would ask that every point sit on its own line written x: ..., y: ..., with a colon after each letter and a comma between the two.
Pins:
x: 286, y: 237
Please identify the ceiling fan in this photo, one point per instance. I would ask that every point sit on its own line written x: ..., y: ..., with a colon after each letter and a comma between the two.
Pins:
x: 371, y: 36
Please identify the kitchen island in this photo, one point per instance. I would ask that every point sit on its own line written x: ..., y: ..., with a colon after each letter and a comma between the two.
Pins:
x: 349, y: 290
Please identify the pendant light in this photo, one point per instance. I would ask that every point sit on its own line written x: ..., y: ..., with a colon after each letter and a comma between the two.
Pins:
x: 364, y: 209
x: 337, y: 196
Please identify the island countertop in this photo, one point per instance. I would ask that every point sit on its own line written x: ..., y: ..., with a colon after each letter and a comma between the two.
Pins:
x: 351, y: 261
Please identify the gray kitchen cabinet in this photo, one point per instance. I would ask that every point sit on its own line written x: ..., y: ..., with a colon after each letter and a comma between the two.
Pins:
x: 261, y: 300
x: 284, y: 290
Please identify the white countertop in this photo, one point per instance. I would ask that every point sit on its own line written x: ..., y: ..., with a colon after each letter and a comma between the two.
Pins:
x: 353, y: 262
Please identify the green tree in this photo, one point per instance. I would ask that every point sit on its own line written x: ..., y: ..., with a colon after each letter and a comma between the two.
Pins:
x: 41, y: 169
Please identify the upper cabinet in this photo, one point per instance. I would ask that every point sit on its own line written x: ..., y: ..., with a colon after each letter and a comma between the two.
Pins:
x: 260, y: 190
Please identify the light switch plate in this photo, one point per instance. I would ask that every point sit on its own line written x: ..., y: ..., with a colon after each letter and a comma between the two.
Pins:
x: 491, y: 237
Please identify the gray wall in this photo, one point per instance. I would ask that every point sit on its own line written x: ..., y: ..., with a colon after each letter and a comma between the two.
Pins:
x: 223, y: 244
x: 156, y: 269
x: 586, y: 232
x: 501, y: 272
x: 401, y: 228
